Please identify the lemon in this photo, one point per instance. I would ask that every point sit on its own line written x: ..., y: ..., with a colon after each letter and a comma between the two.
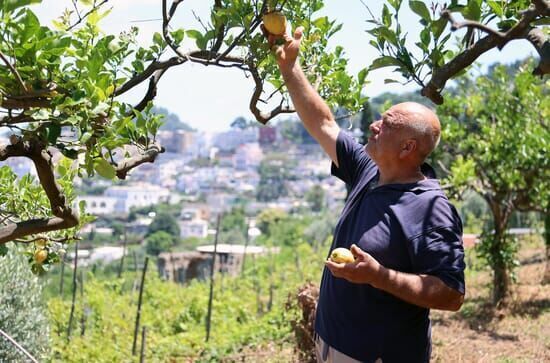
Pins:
x: 341, y: 255
x: 275, y: 22
x: 40, y: 255
x: 41, y: 241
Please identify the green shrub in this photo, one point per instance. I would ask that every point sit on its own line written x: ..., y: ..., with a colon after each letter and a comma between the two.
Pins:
x: 23, y: 314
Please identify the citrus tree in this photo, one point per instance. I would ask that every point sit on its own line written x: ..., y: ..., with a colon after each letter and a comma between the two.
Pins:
x: 435, y: 57
x: 496, y: 126
x: 62, y: 88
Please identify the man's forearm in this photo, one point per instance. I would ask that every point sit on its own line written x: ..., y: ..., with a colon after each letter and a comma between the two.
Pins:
x: 422, y: 290
x: 311, y: 108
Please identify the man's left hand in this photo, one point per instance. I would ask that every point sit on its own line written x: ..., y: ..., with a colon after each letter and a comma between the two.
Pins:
x: 364, y: 270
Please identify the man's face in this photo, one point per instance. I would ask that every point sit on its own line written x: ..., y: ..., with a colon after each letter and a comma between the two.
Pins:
x: 384, y: 141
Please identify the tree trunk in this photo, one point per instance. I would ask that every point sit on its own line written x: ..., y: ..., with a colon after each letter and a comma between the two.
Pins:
x: 501, y: 267
x: 546, y: 276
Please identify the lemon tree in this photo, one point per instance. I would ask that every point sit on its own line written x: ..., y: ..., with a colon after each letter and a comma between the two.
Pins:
x: 435, y: 57
x: 62, y: 86
x: 496, y: 126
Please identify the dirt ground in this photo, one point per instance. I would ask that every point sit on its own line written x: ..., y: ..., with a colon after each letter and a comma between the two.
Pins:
x: 478, y: 333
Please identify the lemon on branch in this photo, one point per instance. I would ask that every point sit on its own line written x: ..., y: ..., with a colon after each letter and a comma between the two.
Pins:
x: 40, y: 255
x: 274, y: 22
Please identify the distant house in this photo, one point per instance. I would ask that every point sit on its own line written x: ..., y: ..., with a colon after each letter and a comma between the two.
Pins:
x: 193, y: 228
x: 99, y: 204
x: 136, y: 195
x: 247, y: 156
x: 181, y: 267
x: 268, y: 135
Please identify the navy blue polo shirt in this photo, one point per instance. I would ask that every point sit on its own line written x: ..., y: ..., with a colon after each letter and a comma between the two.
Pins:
x: 411, y: 228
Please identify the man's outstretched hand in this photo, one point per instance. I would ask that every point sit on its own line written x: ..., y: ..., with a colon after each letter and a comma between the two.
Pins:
x: 287, y: 52
x: 364, y: 270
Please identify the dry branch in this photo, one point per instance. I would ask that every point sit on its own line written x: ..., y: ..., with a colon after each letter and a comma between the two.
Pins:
x: 148, y: 155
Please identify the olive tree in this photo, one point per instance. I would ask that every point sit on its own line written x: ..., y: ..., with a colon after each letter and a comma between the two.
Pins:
x: 435, y: 58
x: 496, y: 126
x: 62, y: 88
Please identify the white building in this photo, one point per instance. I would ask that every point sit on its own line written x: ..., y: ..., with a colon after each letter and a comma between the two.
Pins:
x: 136, y: 195
x: 193, y: 228
x: 99, y: 204
x: 247, y: 156
x: 229, y: 140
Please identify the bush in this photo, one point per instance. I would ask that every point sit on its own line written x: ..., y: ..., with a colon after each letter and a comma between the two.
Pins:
x: 23, y: 314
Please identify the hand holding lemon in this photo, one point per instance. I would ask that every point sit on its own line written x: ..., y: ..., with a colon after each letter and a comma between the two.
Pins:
x: 274, y: 22
x: 341, y: 255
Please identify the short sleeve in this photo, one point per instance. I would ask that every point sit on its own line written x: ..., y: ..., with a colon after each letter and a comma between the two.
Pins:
x: 353, y: 160
x: 439, y: 252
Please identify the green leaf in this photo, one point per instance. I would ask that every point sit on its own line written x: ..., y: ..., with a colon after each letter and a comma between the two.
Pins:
x: 472, y: 11
x: 385, y: 61
x: 157, y: 39
x: 178, y: 35
x: 11, y: 5
x: 438, y: 26
x: 195, y: 34
x: 362, y: 75
x: 496, y: 7
x: 425, y: 37
x: 421, y: 9
x: 386, y: 16
x: 388, y: 80
x: 104, y: 168
x: 3, y: 250
x: 54, y: 130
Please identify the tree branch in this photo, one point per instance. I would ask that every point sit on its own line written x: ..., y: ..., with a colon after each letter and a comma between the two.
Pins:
x: 148, y: 155
x: 152, y: 68
x: 262, y: 116
x: 33, y: 226
x: 14, y: 71
x: 151, y: 91
x: 522, y: 30
x: 65, y: 217
x: 80, y: 18
x: 13, y: 120
x: 24, y: 103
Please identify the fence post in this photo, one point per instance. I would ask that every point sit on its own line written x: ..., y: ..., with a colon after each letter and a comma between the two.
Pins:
x: 143, y: 337
x: 209, y: 316
x: 71, y: 315
x: 138, y: 315
x: 121, y: 267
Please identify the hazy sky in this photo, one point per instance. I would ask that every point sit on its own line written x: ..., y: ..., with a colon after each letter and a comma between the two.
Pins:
x: 209, y: 98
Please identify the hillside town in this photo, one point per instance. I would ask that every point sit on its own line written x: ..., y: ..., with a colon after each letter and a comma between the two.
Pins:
x: 204, y: 174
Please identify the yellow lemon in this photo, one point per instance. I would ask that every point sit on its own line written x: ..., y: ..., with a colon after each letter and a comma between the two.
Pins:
x: 275, y: 22
x: 341, y: 255
x: 41, y: 241
x: 40, y: 255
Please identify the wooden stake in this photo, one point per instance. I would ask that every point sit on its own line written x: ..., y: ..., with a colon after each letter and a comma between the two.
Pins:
x: 143, y: 337
x: 209, y: 315
x: 138, y: 315
x: 71, y: 315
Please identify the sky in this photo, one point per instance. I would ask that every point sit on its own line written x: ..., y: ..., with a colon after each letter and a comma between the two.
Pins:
x: 210, y: 98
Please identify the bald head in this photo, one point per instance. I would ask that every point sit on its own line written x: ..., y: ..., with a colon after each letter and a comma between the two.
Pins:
x: 417, y: 121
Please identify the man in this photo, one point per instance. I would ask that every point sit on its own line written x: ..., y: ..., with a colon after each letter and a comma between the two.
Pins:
x: 401, y: 228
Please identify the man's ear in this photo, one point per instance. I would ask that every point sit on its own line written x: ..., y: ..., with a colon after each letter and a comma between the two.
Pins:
x: 408, y: 147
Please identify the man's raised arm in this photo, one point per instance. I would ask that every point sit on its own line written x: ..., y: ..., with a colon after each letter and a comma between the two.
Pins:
x: 312, y: 109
